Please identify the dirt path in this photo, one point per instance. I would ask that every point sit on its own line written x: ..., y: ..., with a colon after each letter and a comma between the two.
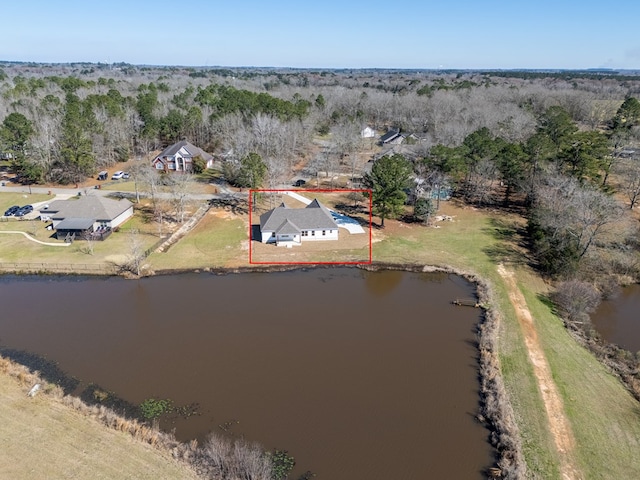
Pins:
x: 558, y: 422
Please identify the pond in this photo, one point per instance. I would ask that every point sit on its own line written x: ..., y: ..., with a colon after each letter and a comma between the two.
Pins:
x: 356, y: 374
x: 618, y: 319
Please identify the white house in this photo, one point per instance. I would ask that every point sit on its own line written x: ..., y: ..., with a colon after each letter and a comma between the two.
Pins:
x: 368, y: 132
x: 86, y: 215
x: 179, y: 157
x: 286, y: 226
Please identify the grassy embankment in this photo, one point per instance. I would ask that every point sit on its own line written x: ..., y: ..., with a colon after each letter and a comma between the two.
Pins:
x: 41, y: 437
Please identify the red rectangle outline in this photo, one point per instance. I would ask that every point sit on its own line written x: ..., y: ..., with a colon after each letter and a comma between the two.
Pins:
x: 318, y: 190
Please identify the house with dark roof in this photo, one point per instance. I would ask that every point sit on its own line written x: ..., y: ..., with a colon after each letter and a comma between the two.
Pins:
x: 179, y: 157
x: 392, y: 137
x: 88, y: 216
x: 286, y: 226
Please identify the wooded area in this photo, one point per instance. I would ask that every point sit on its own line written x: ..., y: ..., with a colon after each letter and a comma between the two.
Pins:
x: 561, y: 147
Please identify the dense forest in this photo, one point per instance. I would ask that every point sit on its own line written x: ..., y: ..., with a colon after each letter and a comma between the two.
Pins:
x: 559, y: 147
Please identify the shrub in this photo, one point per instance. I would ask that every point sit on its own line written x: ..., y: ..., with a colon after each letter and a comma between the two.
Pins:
x: 576, y: 300
x: 152, y: 408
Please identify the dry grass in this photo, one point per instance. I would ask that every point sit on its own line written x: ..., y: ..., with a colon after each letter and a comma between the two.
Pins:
x: 219, y: 240
x: 35, y: 440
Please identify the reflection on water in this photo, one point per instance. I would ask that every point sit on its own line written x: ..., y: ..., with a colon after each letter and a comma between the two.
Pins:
x: 618, y: 319
x: 381, y: 283
x: 356, y: 377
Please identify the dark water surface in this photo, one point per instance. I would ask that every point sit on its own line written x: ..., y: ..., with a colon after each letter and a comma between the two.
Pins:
x: 358, y: 375
x: 618, y: 319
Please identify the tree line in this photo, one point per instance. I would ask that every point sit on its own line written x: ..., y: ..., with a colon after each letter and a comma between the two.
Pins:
x: 559, y: 177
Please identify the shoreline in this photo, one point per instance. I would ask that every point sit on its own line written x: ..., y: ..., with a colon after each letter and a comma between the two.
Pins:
x: 494, y: 412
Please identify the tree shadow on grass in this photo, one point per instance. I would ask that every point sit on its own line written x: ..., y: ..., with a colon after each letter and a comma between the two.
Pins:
x: 237, y: 207
x: 511, y: 243
x: 547, y: 300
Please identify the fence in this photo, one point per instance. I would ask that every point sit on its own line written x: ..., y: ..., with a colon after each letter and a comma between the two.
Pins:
x: 67, y: 268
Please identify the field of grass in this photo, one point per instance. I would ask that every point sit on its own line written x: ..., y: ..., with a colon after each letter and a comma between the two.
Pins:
x: 605, y: 417
x: 9, y: 199
x: 219, y: 240
x: 43, y: 438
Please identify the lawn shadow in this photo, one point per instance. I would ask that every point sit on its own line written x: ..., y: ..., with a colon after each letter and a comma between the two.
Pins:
x: 548, y: 302
x: 47, y: 369
x: 237, y: 207
x: 94, y: 394
x: 511, y: 245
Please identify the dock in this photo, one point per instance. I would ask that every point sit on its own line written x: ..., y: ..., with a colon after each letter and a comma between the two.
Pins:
x: 465, y: 303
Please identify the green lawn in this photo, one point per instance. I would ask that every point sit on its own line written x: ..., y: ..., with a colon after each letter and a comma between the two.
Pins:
x: 605, y: 417
x: 217, y: 241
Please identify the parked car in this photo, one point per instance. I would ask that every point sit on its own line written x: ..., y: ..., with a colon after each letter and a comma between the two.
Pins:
x: 298, y: 183
x: 22, y: 211
x: 118, y: 175
x: 11, y: 211
x: 125, y: 176
x: 103, y: 175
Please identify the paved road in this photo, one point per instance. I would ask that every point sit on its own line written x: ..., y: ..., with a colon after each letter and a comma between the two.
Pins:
x: 64, y: 193
x: 69, y: 192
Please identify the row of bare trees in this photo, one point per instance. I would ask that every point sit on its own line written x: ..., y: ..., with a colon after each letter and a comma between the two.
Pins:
x: 127, y: 111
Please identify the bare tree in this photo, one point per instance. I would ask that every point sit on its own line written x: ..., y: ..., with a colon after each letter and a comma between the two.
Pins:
x: 571, y: 213
x: 629, y: 171
x: 179, y: 185
x: 136, y: 253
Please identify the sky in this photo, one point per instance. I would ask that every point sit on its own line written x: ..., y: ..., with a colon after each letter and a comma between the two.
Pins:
x: 447, y: 34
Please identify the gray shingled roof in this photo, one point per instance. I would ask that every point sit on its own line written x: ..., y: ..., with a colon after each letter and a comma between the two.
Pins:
x: 287, y: 228
x: 75, y: 224
x: 313, y: 216
x: 189, y: 147
x: 88, y: 207
x: 390, y: 135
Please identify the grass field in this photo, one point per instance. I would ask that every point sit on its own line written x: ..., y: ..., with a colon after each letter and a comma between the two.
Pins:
x: 219, y: 240
x: 42, y: 438
x: 16, y: 248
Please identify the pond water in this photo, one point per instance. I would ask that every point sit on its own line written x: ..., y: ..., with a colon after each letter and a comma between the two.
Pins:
x: 618, y: 319
x: 357, y: 374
